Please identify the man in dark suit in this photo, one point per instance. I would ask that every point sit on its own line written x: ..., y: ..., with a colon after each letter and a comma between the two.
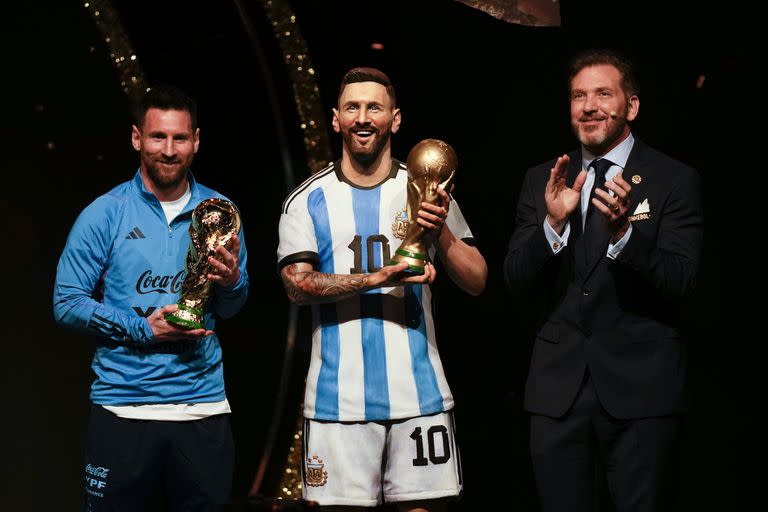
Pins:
x: 607, y: 239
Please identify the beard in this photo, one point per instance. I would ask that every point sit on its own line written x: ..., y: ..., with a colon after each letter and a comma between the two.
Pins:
x: 166, y: 178
x: 597, y: 139
x: 366, y: 155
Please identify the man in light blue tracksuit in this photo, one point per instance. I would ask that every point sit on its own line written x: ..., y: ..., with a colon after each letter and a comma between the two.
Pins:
x: 160, y: 415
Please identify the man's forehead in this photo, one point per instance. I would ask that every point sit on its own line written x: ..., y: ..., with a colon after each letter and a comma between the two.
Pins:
x: 364, y: 91
x: 599, y: 73
x: 156, y: 117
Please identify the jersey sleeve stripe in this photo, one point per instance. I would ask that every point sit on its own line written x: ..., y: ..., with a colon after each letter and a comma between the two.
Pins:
x: 304, y: 256
x: 107, y: 327
x: 305, y: 184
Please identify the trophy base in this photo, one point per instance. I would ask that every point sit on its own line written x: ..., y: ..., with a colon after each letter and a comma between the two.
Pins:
x: 186, y: 318
x: 414, y: 260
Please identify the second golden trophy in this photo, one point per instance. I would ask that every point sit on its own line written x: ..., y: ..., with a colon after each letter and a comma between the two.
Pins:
x: 214, y: 223
x: 431, y: 165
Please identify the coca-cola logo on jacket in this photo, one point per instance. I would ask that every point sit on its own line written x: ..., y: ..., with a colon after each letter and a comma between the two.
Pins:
x: 156, y: 283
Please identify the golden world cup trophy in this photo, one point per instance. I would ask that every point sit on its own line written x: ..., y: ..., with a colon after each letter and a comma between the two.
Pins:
x: 214, y: 223
x: 431, y: 165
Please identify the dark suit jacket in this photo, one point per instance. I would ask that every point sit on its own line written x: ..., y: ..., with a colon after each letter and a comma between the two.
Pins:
x: 620, y: 318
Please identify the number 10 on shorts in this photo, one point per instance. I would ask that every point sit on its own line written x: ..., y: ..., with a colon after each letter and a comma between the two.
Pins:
x: 436, y: 441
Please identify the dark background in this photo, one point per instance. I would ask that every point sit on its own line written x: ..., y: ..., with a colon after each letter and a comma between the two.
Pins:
x: 494, y: 90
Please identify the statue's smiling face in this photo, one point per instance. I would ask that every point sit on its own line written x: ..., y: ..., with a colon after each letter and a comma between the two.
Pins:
x: 366, y: 119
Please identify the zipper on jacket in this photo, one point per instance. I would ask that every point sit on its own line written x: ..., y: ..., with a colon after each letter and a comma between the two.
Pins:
x: 169, y: 242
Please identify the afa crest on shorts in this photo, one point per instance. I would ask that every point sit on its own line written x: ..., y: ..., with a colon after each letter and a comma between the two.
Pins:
x: 315, y: 473
x: 400, y: 226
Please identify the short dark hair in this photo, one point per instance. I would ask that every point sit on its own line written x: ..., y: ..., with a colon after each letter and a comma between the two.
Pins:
x: 356, y: 75
x: 165, y: 97
x: 610, y: 57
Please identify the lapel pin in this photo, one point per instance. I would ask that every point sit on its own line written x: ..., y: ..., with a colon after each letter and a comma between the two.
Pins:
x: 636, y: 179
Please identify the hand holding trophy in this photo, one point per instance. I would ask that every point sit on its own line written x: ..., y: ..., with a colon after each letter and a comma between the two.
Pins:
x: 431, y: 165
x: 214, y: 223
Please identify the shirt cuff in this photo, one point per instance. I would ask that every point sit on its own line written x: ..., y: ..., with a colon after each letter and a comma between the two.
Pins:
x: 556, y: 242
x: 615, y: 249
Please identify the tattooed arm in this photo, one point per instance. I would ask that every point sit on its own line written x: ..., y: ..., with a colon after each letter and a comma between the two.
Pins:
x: 304, y: 285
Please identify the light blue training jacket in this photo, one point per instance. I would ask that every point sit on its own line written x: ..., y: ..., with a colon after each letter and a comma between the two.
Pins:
x: 122, y: 261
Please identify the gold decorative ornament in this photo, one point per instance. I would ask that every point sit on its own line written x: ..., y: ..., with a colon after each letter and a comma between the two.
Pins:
x: 301, y: 72
x: 121, y: 53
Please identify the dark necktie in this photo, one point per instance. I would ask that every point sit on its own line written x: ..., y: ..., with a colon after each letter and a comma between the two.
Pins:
x: 594, y: 231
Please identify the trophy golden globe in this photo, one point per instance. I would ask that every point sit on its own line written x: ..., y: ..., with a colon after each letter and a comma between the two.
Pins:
x: 214, y: 223
x: 431, y: 165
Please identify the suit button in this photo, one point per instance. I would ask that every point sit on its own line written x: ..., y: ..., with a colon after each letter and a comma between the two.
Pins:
x: 586, y: 292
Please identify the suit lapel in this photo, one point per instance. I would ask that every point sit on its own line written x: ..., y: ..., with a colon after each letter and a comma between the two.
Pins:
x: 636, y: 167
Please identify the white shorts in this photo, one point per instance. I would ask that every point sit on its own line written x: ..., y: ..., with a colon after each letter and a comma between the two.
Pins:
x: 365, y: 463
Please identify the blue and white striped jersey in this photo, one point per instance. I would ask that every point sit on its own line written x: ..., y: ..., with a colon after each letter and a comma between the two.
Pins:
x: 374, y: 355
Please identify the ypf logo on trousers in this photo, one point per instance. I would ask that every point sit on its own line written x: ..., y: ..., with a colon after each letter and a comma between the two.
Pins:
x: 95, y: 480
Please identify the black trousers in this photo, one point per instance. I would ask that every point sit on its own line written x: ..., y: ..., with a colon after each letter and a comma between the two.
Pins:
x: 636, y: 457
x: 126, y: 461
